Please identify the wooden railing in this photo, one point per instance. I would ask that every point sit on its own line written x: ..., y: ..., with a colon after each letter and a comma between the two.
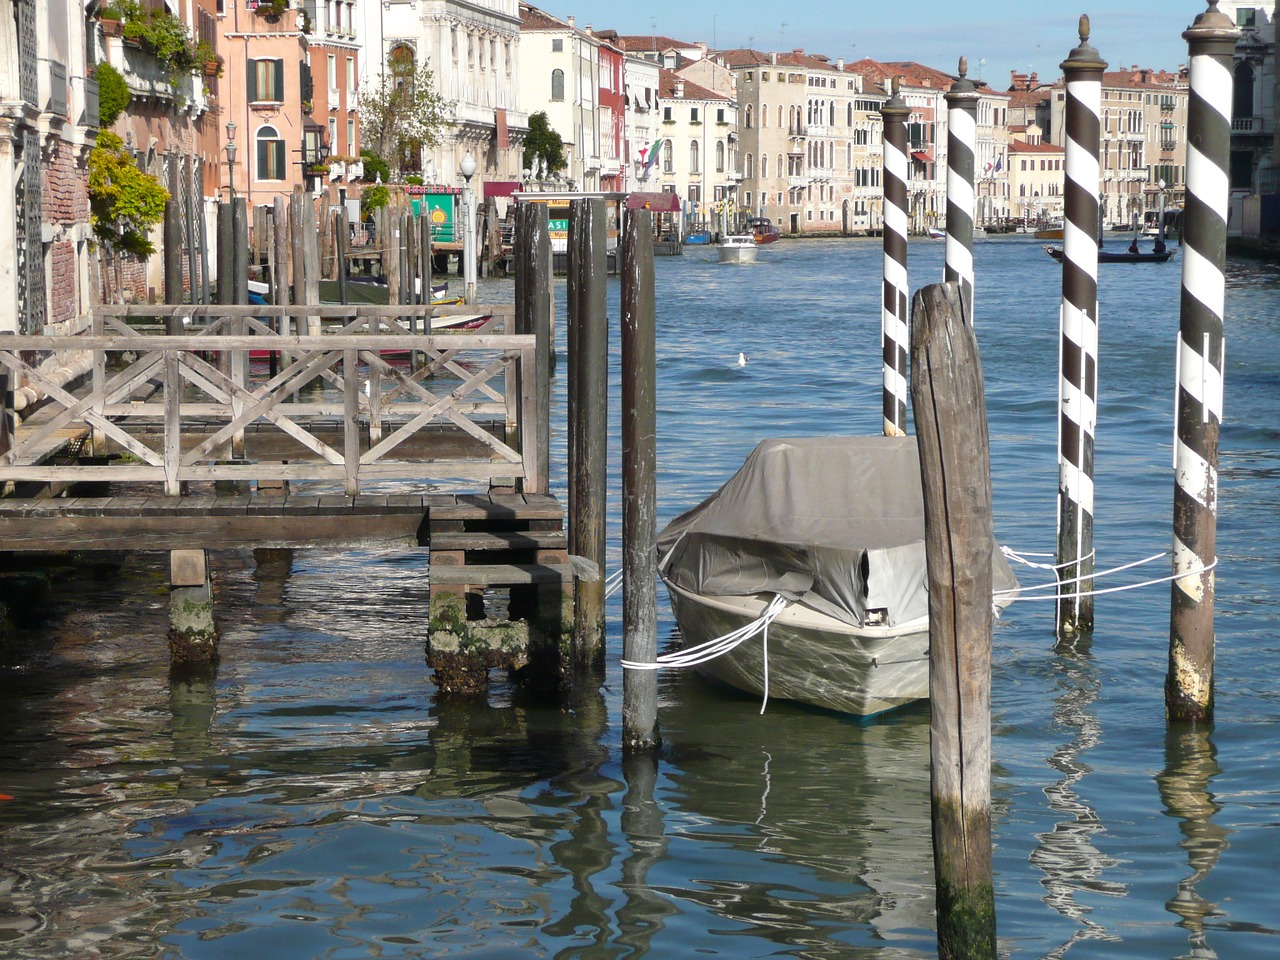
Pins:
x: 174, y: 400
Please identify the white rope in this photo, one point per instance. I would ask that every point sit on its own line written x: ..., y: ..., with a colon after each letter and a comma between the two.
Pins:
x: 1019, y: 557
x: 710, y: 649
x: 1092, y: 576
x: 1127, y: 586
x: 612, y: 583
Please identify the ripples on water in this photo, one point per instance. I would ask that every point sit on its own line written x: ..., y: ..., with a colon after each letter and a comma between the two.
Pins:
x: 317, y: 800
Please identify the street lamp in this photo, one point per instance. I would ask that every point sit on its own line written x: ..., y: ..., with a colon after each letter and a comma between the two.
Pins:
x: 468, y: 168
x: 231, y: 158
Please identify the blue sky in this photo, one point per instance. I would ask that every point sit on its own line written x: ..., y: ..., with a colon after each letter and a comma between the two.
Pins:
x: 1007, y: 34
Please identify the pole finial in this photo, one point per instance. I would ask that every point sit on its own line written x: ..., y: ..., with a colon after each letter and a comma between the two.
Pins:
x: 1083, y: 57
x: 1084, y: 28
x: 964, y: 67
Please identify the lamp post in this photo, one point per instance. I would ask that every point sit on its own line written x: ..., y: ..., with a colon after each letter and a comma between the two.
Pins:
x: 468, y: 168
x: 231, y: 158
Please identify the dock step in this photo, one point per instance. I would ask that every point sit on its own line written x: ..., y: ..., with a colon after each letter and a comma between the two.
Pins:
x: 499, y: 574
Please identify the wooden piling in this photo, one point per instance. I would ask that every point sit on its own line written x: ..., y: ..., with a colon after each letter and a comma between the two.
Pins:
x: 341, y: 234
x: 240, y: 219
x: 1201, y: 347
x: 193, y: 634
x: 226, y: 255
x: 951, y: 424
x: 639, y: 485
x: 588, y: 401
x: 172, y: 251
x: 533, y: 316
x: 310, y: 244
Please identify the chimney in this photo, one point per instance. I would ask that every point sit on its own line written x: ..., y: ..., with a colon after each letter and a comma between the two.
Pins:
x: 839, y: 63
x: 571, y: 23
x: 589, y: 32
x: 679, y: 88
x: 1034, y: 81
x: 773, y: 57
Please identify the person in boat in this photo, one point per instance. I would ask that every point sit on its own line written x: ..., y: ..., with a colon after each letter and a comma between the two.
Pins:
x: 1133, y: 247
x: 1159, y: 248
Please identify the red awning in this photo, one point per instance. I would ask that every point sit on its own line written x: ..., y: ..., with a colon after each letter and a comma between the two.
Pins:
x: 663, y: 202
x: 922, y: 156
x: 501, y: 188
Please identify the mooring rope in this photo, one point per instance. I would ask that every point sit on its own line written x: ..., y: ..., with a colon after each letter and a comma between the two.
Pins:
x: 1020, y: 594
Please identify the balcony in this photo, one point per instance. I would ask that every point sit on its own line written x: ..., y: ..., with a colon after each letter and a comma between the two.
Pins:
x: 796, y: 130
x: 1250, y: 125
x: 797, y: 183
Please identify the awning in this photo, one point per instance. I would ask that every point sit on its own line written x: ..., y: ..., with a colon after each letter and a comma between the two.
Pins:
x: 663, y: 202
x: 501, y: 188
x: 922, y: 156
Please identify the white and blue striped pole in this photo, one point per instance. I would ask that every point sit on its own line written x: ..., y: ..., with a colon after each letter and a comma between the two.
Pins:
x: 894, y: 331
x: 962, y: 139
x: 1078, y: 350
x: 1189, y: 684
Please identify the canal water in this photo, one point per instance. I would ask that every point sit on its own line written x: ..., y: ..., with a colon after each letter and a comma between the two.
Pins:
x: 317, y: 800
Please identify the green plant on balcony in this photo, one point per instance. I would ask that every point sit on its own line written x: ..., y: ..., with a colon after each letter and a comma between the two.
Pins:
x: 210, y: 61
x: 113, y: 94
x: 271, y: 9
x: 164, y: 36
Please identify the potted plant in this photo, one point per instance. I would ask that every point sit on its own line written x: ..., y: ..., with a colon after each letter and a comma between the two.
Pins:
x: 211, y: 63
x: 109, y: 18
x: 271, y: 9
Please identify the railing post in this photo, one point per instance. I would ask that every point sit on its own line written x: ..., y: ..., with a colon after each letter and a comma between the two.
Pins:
x: 533, y: 316
x: 639, y: 485
x: 172, y: 423
x: 588, y: 396
x: 1078, y: 357
x: 1201, y: 343
x: 340, y: 236
x: 351, y: 422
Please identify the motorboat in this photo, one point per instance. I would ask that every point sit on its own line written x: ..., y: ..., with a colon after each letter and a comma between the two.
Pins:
x: 820, y: 541
x: 763, y: 230
x: 738, y: 248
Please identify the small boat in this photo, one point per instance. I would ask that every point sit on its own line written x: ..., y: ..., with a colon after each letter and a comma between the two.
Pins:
x: 763, y: 230
x: 738, y: 248
x: 822, y: 539
x: 1110, y: 256
x: 1050, y: 231
x: 698, y: 237
x: 935, y: 233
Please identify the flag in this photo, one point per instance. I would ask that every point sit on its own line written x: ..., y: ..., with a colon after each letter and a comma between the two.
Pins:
x: 999, y: 163
x: 987, y: 168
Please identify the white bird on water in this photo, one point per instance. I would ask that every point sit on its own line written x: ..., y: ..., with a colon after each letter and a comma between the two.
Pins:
x: 742, y: 359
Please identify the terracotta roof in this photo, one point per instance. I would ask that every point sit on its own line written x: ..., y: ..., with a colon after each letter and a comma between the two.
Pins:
x: 644, y: 44
x: 742, y: 57
x: 1028, y: 98
x: 532, y: 19
x: 1021, y: 146
x: 667, y: 80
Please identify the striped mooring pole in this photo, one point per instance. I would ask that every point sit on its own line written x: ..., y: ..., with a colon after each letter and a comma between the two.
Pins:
x: 895, y: 335
x: 1198, y: 415
x: 1078, y: 348
x: 962, y: 138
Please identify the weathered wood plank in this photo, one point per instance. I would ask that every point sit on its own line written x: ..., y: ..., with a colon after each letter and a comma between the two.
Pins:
x: 498, y: 574
x: 521, y: 540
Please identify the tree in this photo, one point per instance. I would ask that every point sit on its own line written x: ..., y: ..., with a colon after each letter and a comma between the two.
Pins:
x: 402, y: 113
x: 124, y: 202
x: 544, y: 144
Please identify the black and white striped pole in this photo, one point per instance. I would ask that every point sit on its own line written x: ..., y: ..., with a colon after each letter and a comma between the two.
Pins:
x: 895, y: 335
x: 1198, y: 417
x: 1078, y: 349
x: 962, y: 139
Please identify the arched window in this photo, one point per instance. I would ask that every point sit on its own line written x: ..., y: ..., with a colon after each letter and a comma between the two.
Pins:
x: 557, y: 84
x: 270, y: 150
x: 693, y: 157
x: 779, y: 166
x: 719, y: 156
x: 1242, y: 91
x: 748, y: 116
x: 749, y: 168
x: 848, y: 122
x: 831, y: 112
x: 764, y: 114
x: 764, y: 165
x: 401, y: 62
x: 668, y: 164
x: 779, y: 116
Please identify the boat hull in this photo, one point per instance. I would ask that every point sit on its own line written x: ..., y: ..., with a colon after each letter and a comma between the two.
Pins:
x: 812, y: 658
x: 1106, y: 257
x: 737, y: 250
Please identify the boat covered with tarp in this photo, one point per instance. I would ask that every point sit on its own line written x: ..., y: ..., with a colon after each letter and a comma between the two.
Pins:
x: 820, y: 540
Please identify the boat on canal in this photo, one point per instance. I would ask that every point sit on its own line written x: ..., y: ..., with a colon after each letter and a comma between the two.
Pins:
x: 763, y: 230
x: 803, y: 577
x: 1159, y: 254
x: 1050, y: 231
x: 738, y: 248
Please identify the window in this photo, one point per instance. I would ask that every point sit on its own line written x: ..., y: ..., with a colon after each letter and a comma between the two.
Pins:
x: 693, y: 157
x: 333, y: 134
x: 694, y: 115
x: 749, y: 168
x: 666, y: 115
x: 748, y: 122
x: 557, y: 84
x: 266, y: 81
x: 1246, y: 17
x: 1242, y: 91
x: 764, y: 165
x: 557, y: 45
x: 720, y: 115
x: 332, y: 74
x: 271, y: 165
x: 351, y: 139
x: 668, y: 165
x: 719, y: 156
x: 351, y: 73
x: 764, y: 114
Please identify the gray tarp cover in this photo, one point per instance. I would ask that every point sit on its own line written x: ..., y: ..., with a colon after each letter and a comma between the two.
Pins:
x: 834, y: 522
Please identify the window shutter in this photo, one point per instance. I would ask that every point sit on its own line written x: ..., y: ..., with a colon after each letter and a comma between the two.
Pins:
x: 263, y: 146
x: 278, y: 146
x: 251, y: 81
x: 279, y: 91
x: 305, y: 84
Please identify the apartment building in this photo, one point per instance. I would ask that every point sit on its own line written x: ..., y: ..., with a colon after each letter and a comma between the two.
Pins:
x: 1037, y: 177
x: 698, y: 158
x: 641, y: 119
x: 1255, y: 137
x: 473, y: 51
x: 1144, y: 140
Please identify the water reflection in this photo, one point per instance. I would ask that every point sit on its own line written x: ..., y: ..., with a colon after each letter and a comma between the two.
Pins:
x: 1066, y: 854
x: 846, y: 802
x: 1190, y: 765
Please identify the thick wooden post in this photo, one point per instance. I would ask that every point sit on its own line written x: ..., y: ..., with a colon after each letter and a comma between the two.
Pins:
x: 1188, y: 692
x: 193, y: 634
x: 172, y: 251
x: 283, y: 257
x: 226, y: 255
x: 241, y: 237
x: 588, y: 395
x: 639, y: 486
x: 533, y: 317
x: 340, y: 235
x: 951, y: 423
